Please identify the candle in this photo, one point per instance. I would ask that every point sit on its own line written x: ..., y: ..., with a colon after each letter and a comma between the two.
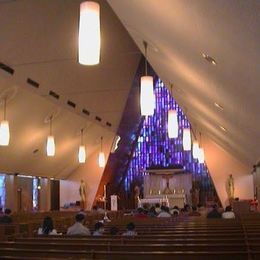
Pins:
x: 105, y: 192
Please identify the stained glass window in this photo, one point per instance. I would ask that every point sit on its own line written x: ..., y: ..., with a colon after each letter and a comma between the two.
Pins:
x: 155, y: 149
x: 2, y: 191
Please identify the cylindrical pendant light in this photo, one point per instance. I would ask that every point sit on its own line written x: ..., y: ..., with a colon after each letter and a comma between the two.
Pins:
x: 4, y: 129
x: 172, y: 123
x: 50, y: 145
x: 82, y: 150
x: 50, y: 142
x: 147, y: 98
x: 186, y: 139
x: 201, y: 157
x: 173, y: 127
x: 195, y: 149
x: 89, y: 33
x: 101, y: 157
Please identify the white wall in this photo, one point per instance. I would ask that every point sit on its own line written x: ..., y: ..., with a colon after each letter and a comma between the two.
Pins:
x: 69, y: 192
x: 221, y: 164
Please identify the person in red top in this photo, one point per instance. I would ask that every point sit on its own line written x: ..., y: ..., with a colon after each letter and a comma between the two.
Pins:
x: 141, y: 213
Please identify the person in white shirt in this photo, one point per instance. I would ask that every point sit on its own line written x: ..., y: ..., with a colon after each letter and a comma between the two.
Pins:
x: 157, y: 208
x: 78, y: 228
x: 47, y: 227
x: 99, y: 229
x: 130, y: 230
x: 164, y: 213
x: 228, y: 213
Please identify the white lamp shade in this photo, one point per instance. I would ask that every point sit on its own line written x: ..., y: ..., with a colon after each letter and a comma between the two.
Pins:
x: 186, y: 139
x: 201, y: 155
x: 4, y: 133
x: 101, y: 160
x: 82, y: 154
x: 172, y: 124
x: 50, y: 146
x: 195, y: 150
x: 147, y: 98
x: 89, y: 33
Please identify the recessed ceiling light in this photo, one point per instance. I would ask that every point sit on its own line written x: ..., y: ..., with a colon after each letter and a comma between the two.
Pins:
x: 209, y: 59
x: 218, y: 106
x: 222, y: 128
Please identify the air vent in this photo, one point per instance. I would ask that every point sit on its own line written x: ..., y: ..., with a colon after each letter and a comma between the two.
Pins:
x: 54, y: 94
x: 86, y: 112
x: 108, y: 124
x: 33, y: 83
x: 98, y: 118
x: 70, y: 103
x: 6, y: 68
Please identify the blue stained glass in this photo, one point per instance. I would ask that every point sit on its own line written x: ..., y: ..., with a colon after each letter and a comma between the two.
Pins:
x: 154, y: 147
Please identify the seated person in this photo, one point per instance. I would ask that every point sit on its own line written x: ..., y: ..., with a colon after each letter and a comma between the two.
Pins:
x: 99, y: 229
x: 130, y: 230
x: 214, y: 212
x: 78, y: 228
x: 152, y: 213
x: 165, y: 212
x: 194, y: 212
x: 228, y: 213
x: 140, y: 213
x: 114, y: 231
x: 47, y: 227
x: 157, y: 208
x: 175, y: 211
x: 6, y: 218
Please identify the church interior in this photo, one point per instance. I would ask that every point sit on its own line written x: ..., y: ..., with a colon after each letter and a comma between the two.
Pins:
x: 144, y: 122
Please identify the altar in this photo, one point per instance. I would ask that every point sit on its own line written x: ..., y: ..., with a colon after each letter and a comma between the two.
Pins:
x: 167, y: 186
x: 170, y: 200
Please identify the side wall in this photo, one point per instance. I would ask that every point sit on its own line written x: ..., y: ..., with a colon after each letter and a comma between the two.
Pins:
x: 91, y: 173
x: 221, y: 164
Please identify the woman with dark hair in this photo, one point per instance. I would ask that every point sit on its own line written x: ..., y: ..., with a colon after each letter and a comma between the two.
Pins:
x: 47, y: 227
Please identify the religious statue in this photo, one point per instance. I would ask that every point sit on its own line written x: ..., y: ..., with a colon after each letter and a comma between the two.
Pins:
x: 136, y: 195
x: 82, y: 193
x: 230, y: 187
x: 195, y: 196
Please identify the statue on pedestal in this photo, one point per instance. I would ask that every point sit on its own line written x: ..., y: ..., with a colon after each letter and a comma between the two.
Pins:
x: 230, y: 187
x: 82, y: 193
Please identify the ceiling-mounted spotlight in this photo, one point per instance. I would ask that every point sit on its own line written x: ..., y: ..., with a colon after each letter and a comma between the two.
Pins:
x: 50, y: 141
x: 89, y: 33
x: 209, y: 59
x: 147, y: 98
x: 82, y: 149
x: 4, y: 129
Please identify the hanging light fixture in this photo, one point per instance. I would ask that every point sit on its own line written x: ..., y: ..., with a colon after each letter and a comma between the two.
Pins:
x: 101, y: 157
x: 89, y: 33
x: 4, y: 129
x: 147, y: 98
x: 50, y: 141
x: 201, y: 155
x: 173, y: 127
x: 82, y: 150
x: 186, y: 139
x: 195, y: 149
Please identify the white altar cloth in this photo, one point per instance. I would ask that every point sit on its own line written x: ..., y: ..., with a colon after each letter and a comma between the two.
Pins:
x: 173, y: 200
